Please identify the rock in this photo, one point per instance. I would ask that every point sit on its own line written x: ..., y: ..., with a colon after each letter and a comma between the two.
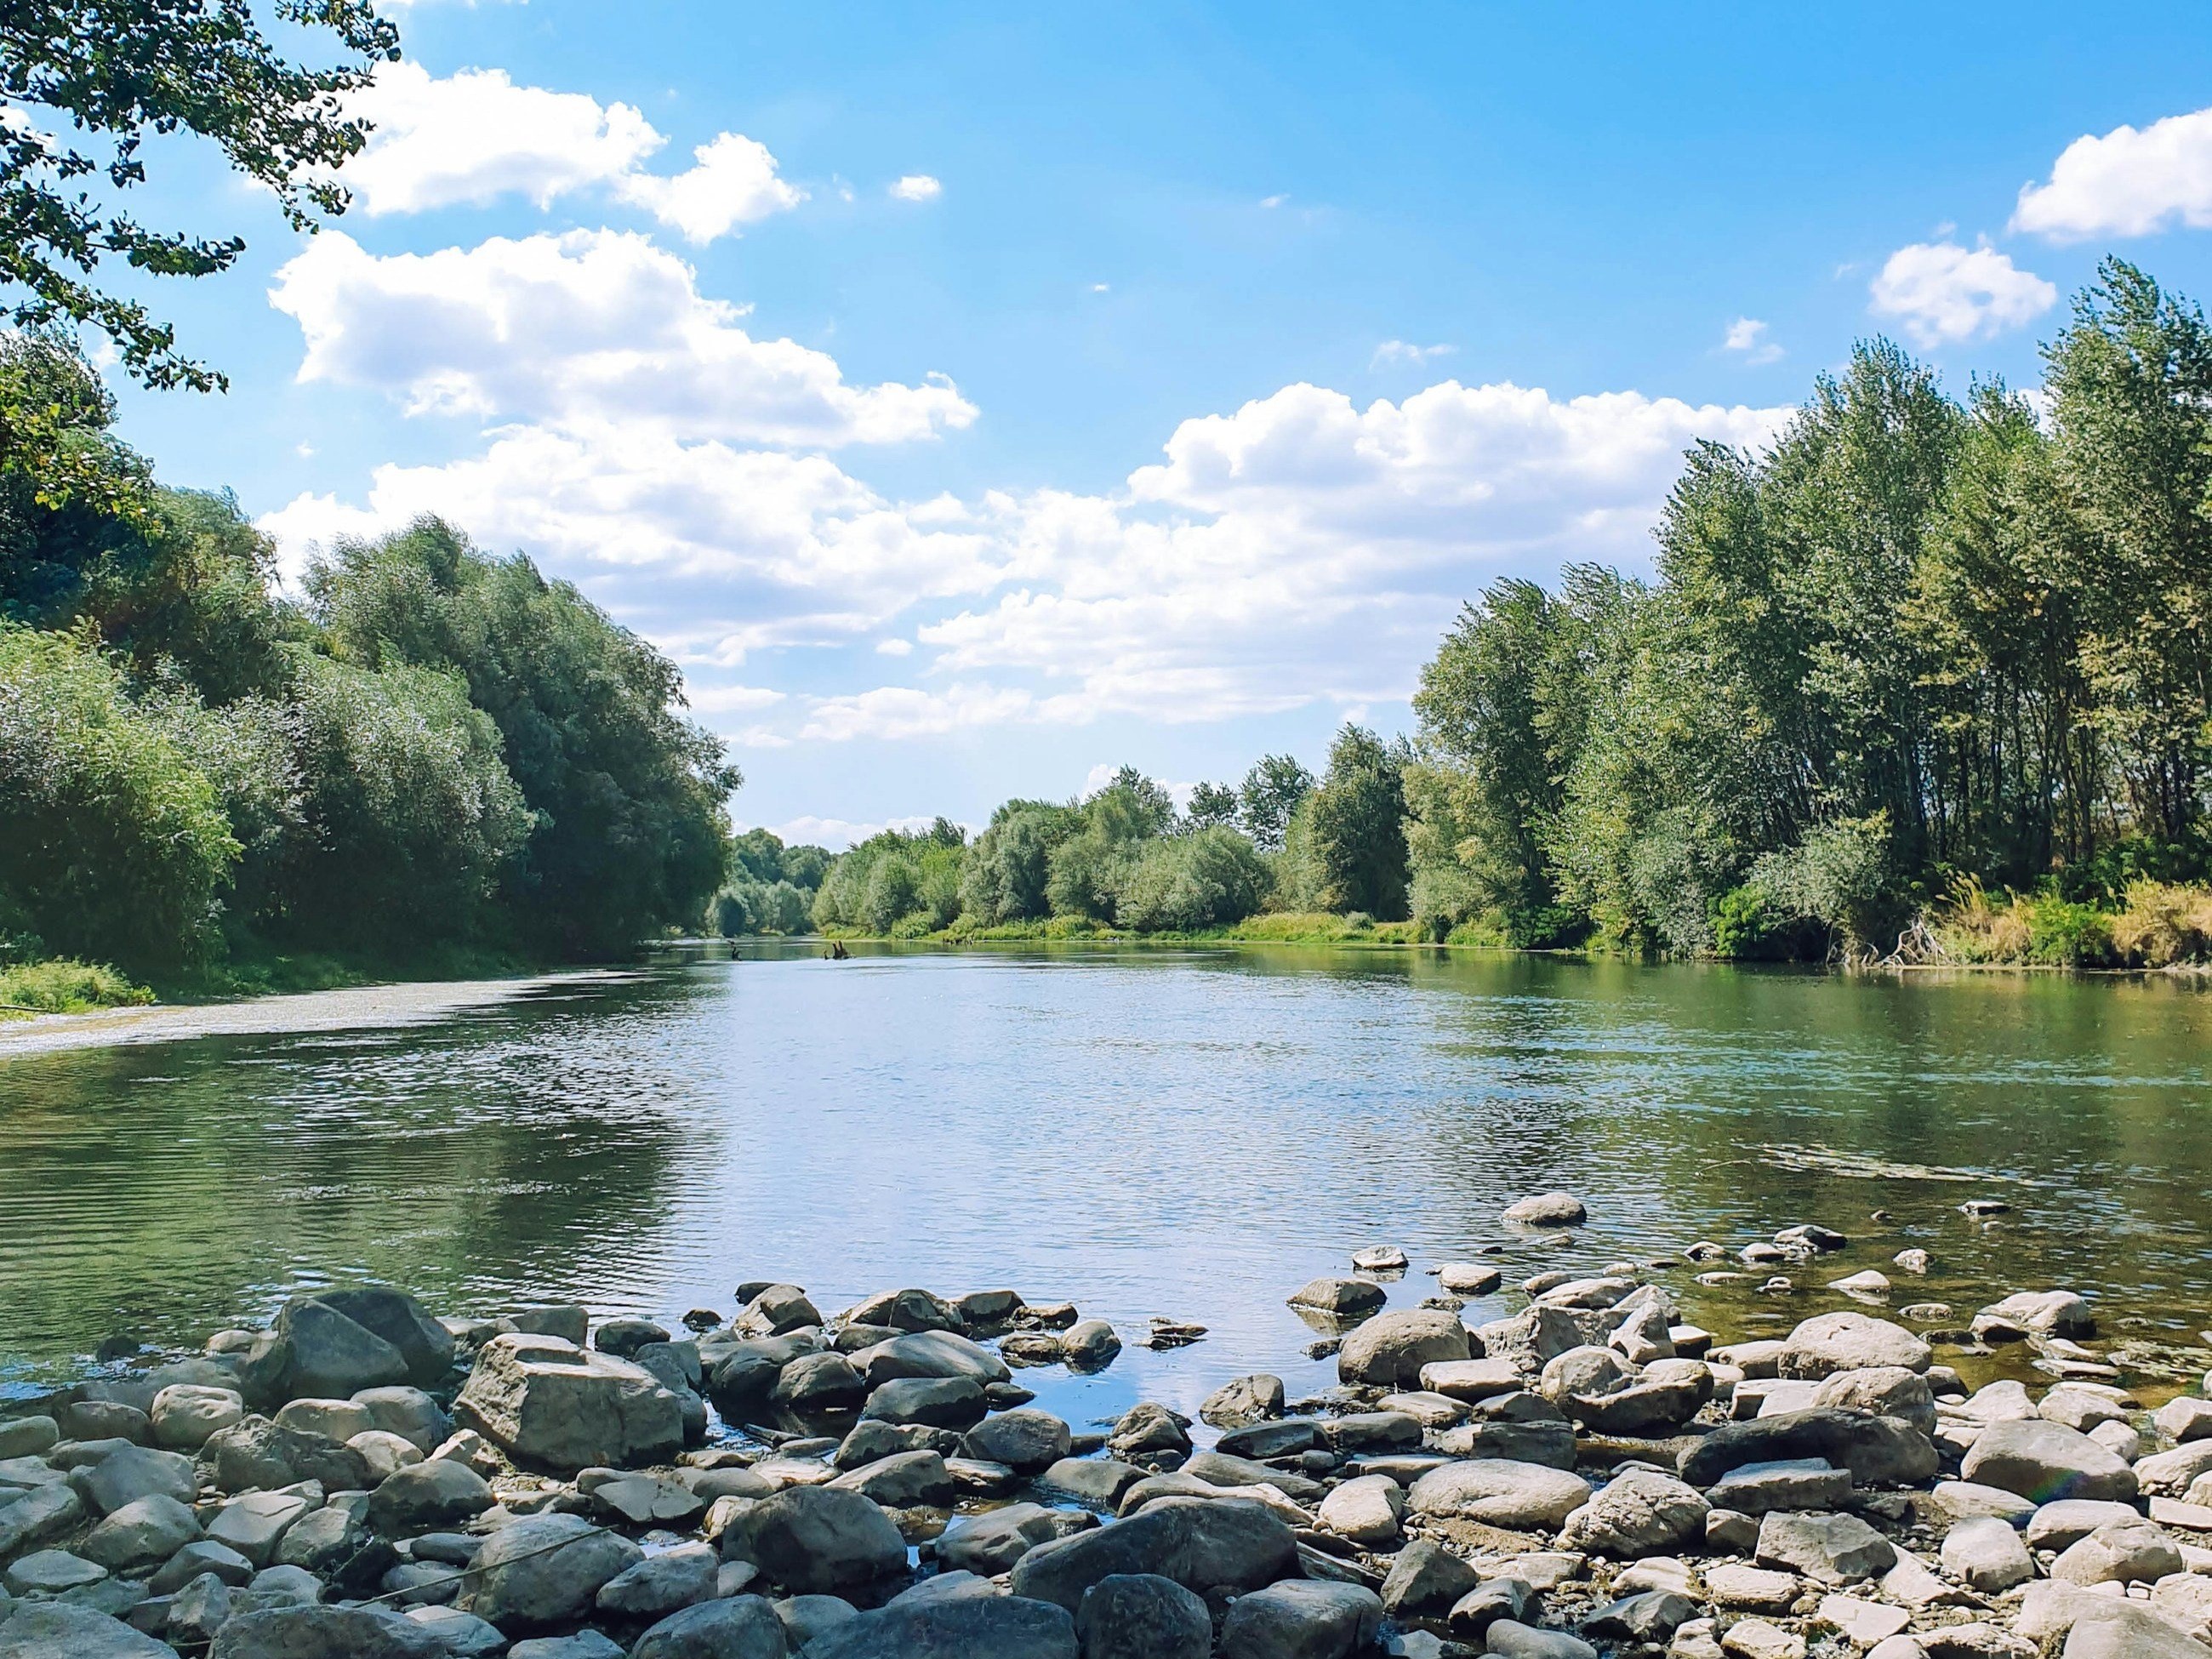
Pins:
x: 328, y: 1354
x: 1878, y: 1451
x: 186, y: 1413
x: 105, y: 1419
x: 2183, y: 1419
x: 1519, y: 1497
x: 1513, y: 1640
x: 1300, y: 1619
x: 1956, y: 1500
x: 1637, y: 1513
x: 323, y: 1541
x: 27, y: 1436
x: 55, y: 1630
x: 990, y: 1543
x: 39, y: 1517
x: 1883, y: 1390
x: 1469, y: 1278
x: 409, y: 1413
x: 1390, y: 1348
x: 2082, y: 1409
x: 1829, y: 1343
x: 1731, y: 1584
x: 2121, y: 1630
x: 1986, y: 1554
x: 2170, y: 1474
x: 1830, y: 1549
x: 1341, y: 1298
x: 1253, y: 1399
x: 141, y: 1536
x: 1090, y: 1345
x: 1651, y: 1616
x: 1148, y: 1429
x: 661, y: 1585
x: 1552, y: 1444
x: 1425, y: 1579
x: 943, y: 1402
x: 465, y: 1635
x: 583, y: 1645
x: 2131, y: 1552
x: 1141, y: 1615
x: 1754, y: 1639
x: 904, y: 1311
x: 2055, y: 1526
x: 819, y: 1382
x: 551, y: 1405
x: 49, y: 1573
x: 929, y: 1353
x: 133, y: 1473
x: 198, y: 1611
x: 1205, y: 1546
x: 1379, y: 1259
x: 1094, y: 1480
x: 2044, y: 1461
x: 252, y: 1523
x: 1364, y: 1511
x: 905, y: 1480
x: 256, y: 1452
x: 1800, y: 1483
x: 426, y: 1495
x: 1731, y: 1531
x: 2035, y: 1313
x: 1026, y: 1442
x: 1864, y: 1622
x: 1472, y: 1380
x: 543, y: 1570
x: 333, y: 1420
x: 195, y: 1559
x: 323, y: 1632
x: 647, y: 1500
x: 820, y: 1540
x: 872, y: 1440
x: 962, y: 1627
x: 1547, y: 1209
x: 384, y: 1454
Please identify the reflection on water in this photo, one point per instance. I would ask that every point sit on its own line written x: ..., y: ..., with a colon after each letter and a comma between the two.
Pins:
x: 1188, y: 1134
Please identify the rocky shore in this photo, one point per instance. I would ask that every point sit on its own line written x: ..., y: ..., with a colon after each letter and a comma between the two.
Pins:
x: 1588, y: 1475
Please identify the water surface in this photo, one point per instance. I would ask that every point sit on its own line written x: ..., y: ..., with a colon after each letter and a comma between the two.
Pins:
x: 1188, y: 1134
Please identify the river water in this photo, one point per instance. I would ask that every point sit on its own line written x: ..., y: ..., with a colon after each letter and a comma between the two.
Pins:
x: 1143, y: 1132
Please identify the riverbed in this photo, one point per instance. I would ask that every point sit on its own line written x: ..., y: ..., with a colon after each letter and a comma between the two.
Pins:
x: 1187, y: 1133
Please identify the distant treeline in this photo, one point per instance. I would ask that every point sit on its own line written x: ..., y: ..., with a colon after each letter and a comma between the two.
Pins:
x: 432, y: 750
x: 1926, y: 679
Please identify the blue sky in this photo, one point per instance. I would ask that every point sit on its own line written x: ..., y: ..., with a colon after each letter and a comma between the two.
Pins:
x: 973, y: 397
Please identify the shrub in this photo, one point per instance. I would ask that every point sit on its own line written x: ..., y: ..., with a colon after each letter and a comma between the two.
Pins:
x: 62, y: 986
x: 1207, y: 878
x: 2063, y: 935
x: 2163, y: 924
x: 1841, y: 875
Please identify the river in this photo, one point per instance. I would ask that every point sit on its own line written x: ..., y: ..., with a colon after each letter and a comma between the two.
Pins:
x: 1191, y: 1133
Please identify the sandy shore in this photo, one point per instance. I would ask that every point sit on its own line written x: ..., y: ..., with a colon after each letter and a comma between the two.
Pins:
x: 354, y: 1008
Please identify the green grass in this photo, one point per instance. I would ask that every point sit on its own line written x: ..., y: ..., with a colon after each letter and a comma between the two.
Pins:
x: 65, y: 987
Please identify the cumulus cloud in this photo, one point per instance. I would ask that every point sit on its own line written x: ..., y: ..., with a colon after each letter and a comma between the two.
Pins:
x: 1943, y: 293
x: 1402, y: 351
x: 917, y: 187
x: 1747, y: 334
x: 2131, y: 182
x: 588, y: 329
x: 838, y: 834
x: 899, y: 712
x: 475, y: 137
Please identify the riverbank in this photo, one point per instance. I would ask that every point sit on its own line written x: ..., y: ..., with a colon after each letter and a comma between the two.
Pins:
x: 1546, y: 1472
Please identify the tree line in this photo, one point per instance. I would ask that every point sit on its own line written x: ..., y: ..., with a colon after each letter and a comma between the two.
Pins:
x: 430, y: 748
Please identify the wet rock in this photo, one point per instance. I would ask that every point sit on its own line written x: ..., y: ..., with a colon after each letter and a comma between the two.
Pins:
x: 872, y: 1440
x: 1519, y: 1497
x: 27, y: 1436
x: 2131, y: 1552
x: 942, y: 1402
x: 1287, y: 1437
x: 1341, y: 1298
x: 1142, y: 1616
x: 1148, y: 1429
x: 326, y: 1632
x: 1254, y: 1399
x: 1830, y: 1549
x: 1986, y: 1554
x: 2044, y: 1461
x: 819, y: 1540
x: 1205, y: 1546
x: 1300, y: 1619
x: 1390, y: 1348
x: 1638, y: 1513
x: 1547, y: 1209
x: 905, y: 1311
x: 1026, y: 1442
x: 1090, y: 1345
x: 2035, y: 1313
x: 962, y: 1627
x: 1095, y: 1480
x: 1829, y: 1343
x: 819, y: 1382
x: 990, y: 1544
x: 551, y: 1405
x: 929, y: 1353
x: 545, y: 1570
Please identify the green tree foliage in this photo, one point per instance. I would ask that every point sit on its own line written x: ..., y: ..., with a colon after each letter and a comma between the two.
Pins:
x: 629, y: 834
x: 1006, y: 873
x: 1209, y: 877
x: 1358, y: 826
x: 896, y: 883
x: 1271, y: 792
x: 112, y: 845
x: 771, y: 889
x: 1213, y: 805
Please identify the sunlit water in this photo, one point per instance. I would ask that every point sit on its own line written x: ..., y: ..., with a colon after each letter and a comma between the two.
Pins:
x: 1191, y: 1135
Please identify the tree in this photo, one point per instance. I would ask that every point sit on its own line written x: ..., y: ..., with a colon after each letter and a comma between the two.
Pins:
x: 1271, y: 793
x: 1213, y: 805
x: 1360, y: 826
x: 1003, y: 878
x: 1209, y: 877
x: 115, y: 71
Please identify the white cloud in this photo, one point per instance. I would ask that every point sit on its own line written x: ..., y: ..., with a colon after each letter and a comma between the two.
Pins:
x: 733, y: 183
x: 1400, y: 351
x: 2128, y: 183
x: 917, y: 187
x: 590, y: 329
x: 1746, y: 335
x: 894, y: 648
x: 838, y: 834
x: 474, y: 137
x: 707, y: 700
x: 1272, y: 201
x: 1941, y: 293
x: 898, y: 712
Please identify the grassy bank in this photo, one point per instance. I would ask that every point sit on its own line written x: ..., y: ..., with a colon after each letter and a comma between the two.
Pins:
x: 65, y: 987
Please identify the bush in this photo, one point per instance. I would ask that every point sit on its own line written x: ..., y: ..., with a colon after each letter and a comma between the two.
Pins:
x: 62, y: 986
x: 1840, y: 875
x: 2162, y: 925
x: 1207, y: 878
x: 2063, y: 935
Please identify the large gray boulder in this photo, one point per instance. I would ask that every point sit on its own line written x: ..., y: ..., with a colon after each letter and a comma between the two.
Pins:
x: 929, y: 1353
x: 141, y: 1536
x: 2119, y: 1629
x: 1427, y: 1578
x: 1833, y: 1342
x: 1833, y: 1549
x: 1878, y: 1451
x: 815, y: 1541
x: 741, y: 1628
x: 1026, y: 1442
x: 1519, y: 1497
x: 326, y: 1632
x: 1637, y: 1514
x: 426, y: 1495
x: 256, y: 1452
x: 55, y: 1630
x: 940, y: 1402
x: 1141, y: 1615
x: 956, y: 1627
x: 39, y: 1516
x: 135, y: 1472
x: 554, y: 1406
x: 1206, y: 1545
x: 1301, y: 1619
x: 662, y: 1584
x: 543, y: 1570
x: 397, y: 1319
x: 409, y: 1413
x: 1390, y: 1349
x: 2045, y: 1461
x: 327, y: 1355
x: 990, y: 1543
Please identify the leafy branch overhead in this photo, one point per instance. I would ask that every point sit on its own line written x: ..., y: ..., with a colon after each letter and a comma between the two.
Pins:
x: 85, y: 83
